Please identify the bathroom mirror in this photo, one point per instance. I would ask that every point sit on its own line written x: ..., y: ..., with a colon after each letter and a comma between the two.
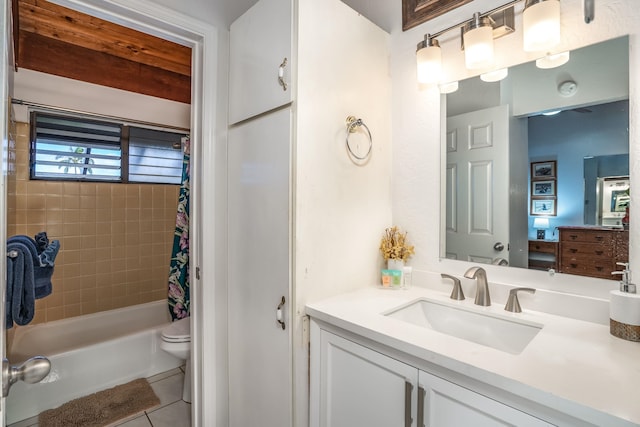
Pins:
x: 565, y: 122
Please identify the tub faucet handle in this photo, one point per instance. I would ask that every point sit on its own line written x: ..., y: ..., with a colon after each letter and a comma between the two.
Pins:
x: 456, y: 293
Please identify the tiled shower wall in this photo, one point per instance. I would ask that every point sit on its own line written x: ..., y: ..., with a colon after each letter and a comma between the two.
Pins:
x: 115, y: 239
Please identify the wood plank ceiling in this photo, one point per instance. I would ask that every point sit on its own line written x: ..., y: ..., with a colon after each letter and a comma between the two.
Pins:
x: 60, y: 41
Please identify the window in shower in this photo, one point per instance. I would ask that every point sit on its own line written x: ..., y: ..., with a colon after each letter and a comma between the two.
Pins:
x: 83, y: 149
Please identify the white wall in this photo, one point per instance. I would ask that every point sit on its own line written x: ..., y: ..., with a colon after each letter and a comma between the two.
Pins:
x: 601, y: 72
x: 341, y: 209
x: 47, y: 89
x: 417, y: 138
x: 568, y: 138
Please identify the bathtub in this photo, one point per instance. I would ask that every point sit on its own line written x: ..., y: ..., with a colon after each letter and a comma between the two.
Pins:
x: 88, y: 354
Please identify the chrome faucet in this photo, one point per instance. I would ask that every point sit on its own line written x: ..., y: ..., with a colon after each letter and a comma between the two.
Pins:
x: 482, y: 289
x: 513, y: 305
x: 456, y: 293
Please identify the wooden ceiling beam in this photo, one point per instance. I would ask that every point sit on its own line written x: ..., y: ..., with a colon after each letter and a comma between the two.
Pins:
x: 52, y: 21
x: 55, y: 57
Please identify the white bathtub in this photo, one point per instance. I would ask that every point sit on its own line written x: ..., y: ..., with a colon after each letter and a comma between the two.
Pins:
x: 88, y: 353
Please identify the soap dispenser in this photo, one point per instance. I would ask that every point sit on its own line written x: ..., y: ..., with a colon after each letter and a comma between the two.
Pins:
x: 624, y: 308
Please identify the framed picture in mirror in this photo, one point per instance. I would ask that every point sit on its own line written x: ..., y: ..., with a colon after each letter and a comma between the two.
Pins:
x: 544, y: 188
x: 543, y: 170
x: 543, y: 206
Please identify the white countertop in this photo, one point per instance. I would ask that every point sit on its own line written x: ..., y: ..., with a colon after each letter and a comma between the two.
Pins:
x: 574, y: 366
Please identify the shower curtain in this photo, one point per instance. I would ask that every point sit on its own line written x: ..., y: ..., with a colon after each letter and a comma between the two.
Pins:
x: 179, y: 300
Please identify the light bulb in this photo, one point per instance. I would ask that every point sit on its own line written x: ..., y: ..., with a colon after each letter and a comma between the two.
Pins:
x: 495, y: 75
x: 541, y: 25
x: 553, y: 60
x: 429, y: 60
x: 478, y: 43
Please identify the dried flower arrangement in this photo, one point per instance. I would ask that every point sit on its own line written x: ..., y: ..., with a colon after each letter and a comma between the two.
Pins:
x: 394, y: 245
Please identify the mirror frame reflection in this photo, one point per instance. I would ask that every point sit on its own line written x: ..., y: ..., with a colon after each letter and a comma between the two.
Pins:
x: 597, y: 97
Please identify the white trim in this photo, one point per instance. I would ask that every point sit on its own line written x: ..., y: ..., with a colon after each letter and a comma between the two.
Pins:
x: 5, y: 93
x: 169, y: 24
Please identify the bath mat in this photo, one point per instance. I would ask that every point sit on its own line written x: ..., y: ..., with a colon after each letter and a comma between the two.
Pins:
x: 104, y: 407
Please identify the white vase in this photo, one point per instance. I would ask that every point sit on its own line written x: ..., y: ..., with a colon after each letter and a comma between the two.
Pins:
x: 395, y: 264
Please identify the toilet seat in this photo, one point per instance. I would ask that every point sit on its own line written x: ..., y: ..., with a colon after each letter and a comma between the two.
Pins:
x: 178, y: 331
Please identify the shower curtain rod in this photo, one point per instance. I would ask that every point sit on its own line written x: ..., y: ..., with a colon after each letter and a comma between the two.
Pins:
x: 96, y: 115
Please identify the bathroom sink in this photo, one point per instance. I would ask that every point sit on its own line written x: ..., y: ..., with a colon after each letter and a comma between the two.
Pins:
x: 502, y: 333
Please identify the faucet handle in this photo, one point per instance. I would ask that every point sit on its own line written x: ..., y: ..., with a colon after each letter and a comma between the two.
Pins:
x: 456, y: 293
x: 513, y: 305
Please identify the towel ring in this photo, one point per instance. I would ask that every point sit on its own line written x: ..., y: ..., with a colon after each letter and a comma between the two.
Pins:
x: 352, y: 125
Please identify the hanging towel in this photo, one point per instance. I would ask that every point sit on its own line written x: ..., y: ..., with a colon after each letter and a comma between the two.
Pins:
x: 28, y: 275
x: 43, y: 262
x: 20, y: 301
x: 43, y: 272
x: 42, y: 241
x: 47, y: 251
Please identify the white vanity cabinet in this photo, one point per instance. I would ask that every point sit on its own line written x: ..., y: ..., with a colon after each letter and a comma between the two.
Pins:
x: 260, y: 60
x: 353, y: 385
x: 447, y: 404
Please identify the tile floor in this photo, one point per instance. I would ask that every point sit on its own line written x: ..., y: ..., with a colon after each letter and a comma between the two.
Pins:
x: 172, y: 412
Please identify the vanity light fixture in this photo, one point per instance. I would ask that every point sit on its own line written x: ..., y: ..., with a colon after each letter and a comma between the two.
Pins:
x: 541, y: 19
x: 553, y: 60
x: 495, y: 75
x: 541, y: 25
x: 429, y: 58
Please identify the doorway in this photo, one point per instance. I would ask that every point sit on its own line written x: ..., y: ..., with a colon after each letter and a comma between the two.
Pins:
x: 202, y: 39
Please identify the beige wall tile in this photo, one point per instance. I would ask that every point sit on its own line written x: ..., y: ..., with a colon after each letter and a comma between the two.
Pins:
x: 115, y: 238
x: 72, y: 310
x: 54, y: 313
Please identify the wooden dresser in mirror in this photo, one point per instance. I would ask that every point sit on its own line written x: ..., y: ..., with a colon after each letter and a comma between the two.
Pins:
x: 592, y: 251
x: 543, y: 254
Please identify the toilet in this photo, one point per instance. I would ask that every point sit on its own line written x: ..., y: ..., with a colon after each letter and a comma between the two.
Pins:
x: 176, y: 340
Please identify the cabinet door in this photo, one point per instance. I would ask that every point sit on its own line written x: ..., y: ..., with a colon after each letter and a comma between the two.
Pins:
x: 360, y: 387
x: 447, y: 404
x: 260, y: 368
x: 260, y: 41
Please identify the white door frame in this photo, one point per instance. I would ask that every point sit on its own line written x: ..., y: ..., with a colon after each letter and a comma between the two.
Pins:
x: 5, y: 72
x: 143, y: 15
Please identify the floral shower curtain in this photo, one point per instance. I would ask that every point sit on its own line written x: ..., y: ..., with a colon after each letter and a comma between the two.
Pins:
x: 179, y: 301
